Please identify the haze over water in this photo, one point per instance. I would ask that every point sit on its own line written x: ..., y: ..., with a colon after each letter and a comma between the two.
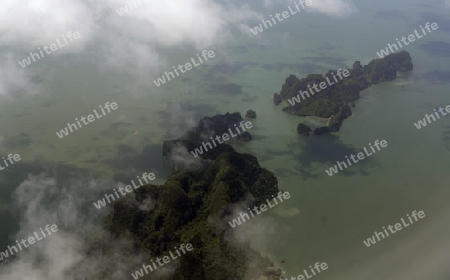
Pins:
x: 327, y: 218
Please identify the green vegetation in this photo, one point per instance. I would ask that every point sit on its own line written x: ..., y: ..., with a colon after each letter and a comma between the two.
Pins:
x: 332, y: 101
x: 192, y: 207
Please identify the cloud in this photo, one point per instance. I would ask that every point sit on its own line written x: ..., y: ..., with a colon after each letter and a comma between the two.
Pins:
x: 79, y: 247
x: 13, y: 80
x: 173, y: 22
x: 336, y: 8
x: 169, y: 23
x: 258, y: 231
x: 37, y: 23
x: 131, y: 41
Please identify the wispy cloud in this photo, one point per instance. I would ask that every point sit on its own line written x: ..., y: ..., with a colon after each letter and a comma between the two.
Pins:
x: 41, y: 200
x: 134, y: 39
x: 336, y: 8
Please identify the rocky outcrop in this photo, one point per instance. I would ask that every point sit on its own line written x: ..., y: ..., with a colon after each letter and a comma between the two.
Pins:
x: 335, y: 121
x: 321, y: 130
x: 194, y: 207
x: 250, y: 114
x: 357, y: 66
x: 327, y: 103
x: 277, y: 99
x: 303, y: 129
x: 219, y: 124
x: 207, y: 127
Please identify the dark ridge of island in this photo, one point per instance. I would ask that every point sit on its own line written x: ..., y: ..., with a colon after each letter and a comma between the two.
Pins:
x: 194, y: 205
x: 332, y: 102
x: 193, y: 138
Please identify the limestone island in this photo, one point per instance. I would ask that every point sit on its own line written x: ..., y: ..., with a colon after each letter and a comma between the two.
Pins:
x: 332, y: 101
x: 194, y: 206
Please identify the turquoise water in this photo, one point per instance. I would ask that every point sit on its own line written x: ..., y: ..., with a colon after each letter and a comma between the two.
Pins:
x: 327, y: 218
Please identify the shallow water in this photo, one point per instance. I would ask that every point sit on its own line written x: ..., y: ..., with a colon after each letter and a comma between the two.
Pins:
x: 327, y: 218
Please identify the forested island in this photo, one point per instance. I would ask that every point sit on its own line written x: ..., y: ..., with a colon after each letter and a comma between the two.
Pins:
x: 193, y: 204
x: 197, y: 200
x: 333, y: 101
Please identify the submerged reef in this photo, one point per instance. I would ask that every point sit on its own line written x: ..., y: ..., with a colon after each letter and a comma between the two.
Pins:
x: 194, y: 206
x: 332, y: 102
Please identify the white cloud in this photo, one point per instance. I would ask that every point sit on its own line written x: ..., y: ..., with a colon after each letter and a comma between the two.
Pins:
x: 41, y: 22
x: 169, y: 23
x: 13, y: 80
x: 337, y: 8
x: 41, y: 200
x: 174, y: 22
x: 129, y: 41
